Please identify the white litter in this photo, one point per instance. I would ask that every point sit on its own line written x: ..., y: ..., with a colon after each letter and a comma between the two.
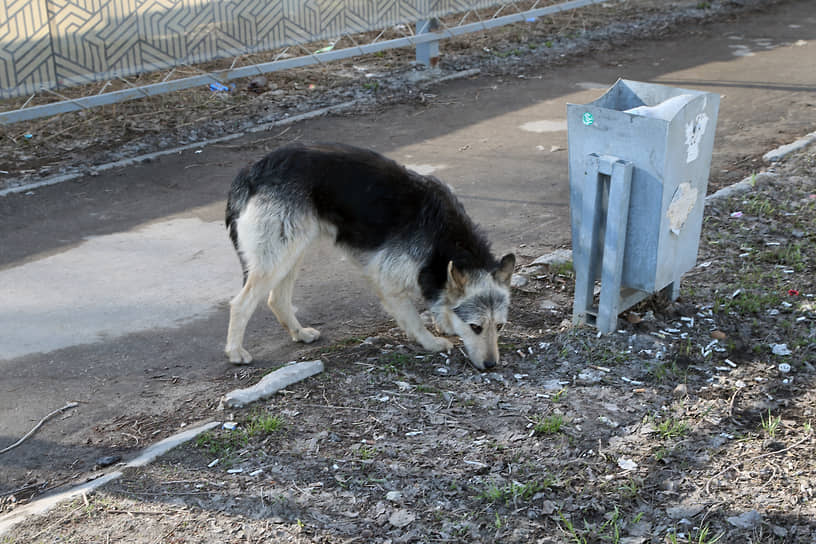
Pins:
x: 272, y: 383
x: 780, y: 349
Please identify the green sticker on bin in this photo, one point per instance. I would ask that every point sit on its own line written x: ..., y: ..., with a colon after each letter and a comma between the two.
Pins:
x: 588, y: 119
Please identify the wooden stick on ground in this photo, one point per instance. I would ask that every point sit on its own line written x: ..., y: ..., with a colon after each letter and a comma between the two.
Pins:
x: 43, y: 420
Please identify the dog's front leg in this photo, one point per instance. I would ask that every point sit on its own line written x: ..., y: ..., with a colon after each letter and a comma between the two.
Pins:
x: 442, y: 320
x: 403, y: 310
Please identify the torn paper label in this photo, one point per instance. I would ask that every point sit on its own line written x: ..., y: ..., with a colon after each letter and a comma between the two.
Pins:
x: 682, y: 203
x: 694, y: 134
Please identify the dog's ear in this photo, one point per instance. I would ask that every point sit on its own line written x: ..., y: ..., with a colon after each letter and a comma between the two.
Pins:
x: 505, y: 270
x: 456, y: 279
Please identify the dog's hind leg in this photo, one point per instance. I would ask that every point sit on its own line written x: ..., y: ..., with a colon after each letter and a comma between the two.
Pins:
x: 272, y: 244
x: 280, y: 302
x: 241, y: 309
x: 403, y: 310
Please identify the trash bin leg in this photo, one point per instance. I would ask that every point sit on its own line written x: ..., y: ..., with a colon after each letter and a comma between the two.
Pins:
x: 585, y: 256
x: 617, y: 217
x: 590, y: 257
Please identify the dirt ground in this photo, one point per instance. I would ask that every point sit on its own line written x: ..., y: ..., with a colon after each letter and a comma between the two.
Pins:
x: 692, y: 423
x: 654, y: 434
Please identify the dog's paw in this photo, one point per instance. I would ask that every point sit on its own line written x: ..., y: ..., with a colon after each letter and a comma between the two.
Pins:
x: 238, y: 356
x: 307, y: 335
x: 438, y: 344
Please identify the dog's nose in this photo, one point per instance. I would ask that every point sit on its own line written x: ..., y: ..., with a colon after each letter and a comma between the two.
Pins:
x: 489, y: 364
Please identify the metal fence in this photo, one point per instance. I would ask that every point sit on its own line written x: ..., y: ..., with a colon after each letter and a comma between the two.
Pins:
x: 46, y: 45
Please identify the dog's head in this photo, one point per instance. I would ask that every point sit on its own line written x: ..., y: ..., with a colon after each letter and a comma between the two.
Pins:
x: 476, y: 309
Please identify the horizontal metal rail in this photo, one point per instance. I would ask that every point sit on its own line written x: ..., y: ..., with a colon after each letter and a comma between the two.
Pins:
x: 223, y: 76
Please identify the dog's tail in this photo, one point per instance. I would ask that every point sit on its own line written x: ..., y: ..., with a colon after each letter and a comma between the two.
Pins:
x: 239, y: 195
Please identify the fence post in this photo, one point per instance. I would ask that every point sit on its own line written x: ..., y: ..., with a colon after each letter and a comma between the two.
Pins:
x: 427, y: 53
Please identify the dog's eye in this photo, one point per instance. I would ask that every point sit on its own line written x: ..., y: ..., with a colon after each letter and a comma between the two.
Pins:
x: 476, y: 328
x: 499, y: 326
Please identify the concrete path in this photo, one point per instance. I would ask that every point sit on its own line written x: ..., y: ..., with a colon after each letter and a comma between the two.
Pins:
x: 110, y: 281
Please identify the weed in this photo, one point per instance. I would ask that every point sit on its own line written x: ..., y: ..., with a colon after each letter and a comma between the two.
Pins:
x: 759, y: 206
x: 263, y: 424
x: 807, y: 427
x: 668, y: 371
x: 498, y: 522
x: 771, y: 425
x: 557, y: 396
x: 365, y: 453
x: 672, y: 428
x: 514, y: 492
x: 422, y: 388
x: 612, y: 525
x: 707, y: 5
x: 661, y: 454
x: 372, y: 85
x: 393, y: 363
x: 222, y: 445
x: 630, y: 489
x: 570, y: 529
x: 549, y: 425
x: 342, y: 345
x: 703, y: 538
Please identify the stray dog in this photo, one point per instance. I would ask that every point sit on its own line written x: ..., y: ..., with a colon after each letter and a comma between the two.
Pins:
x: 408, y: 233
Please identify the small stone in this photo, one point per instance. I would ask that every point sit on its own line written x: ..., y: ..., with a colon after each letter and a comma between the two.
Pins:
x: 718, y: 335
x: 609, y: 422
x: 781, y: 532
x: 773, y: 445
x: 108, y: 460
x: 258, y: 84
x: 588, y: 377
x: 393, y: 496
x: 747, y: 520
x: 401, y: 518
x: 627, y: 464
x: 780, y: 349
x: 687, y: 511
x: 517, y: 281
x: 548, y: 507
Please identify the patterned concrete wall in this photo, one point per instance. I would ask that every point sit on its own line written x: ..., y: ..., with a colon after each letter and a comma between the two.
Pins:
x: 56, y: 43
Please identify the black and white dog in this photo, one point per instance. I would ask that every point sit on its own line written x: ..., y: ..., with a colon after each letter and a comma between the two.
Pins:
x: 408, y: 233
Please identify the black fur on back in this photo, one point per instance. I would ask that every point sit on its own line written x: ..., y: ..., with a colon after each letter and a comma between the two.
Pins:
x: 373, y: 202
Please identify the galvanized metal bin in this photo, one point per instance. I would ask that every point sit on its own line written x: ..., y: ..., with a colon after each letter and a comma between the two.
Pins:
x: 639, y: 160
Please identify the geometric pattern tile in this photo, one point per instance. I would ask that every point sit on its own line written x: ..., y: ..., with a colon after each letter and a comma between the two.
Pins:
x: 48, y: 44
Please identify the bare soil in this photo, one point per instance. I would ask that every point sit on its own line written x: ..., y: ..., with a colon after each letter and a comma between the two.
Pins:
x: 692, y: 423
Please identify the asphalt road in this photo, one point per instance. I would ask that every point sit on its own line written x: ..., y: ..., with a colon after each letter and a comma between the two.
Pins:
x: 113, y: 285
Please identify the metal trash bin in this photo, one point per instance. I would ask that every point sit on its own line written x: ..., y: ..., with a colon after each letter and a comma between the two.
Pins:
x: 639, y: 160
